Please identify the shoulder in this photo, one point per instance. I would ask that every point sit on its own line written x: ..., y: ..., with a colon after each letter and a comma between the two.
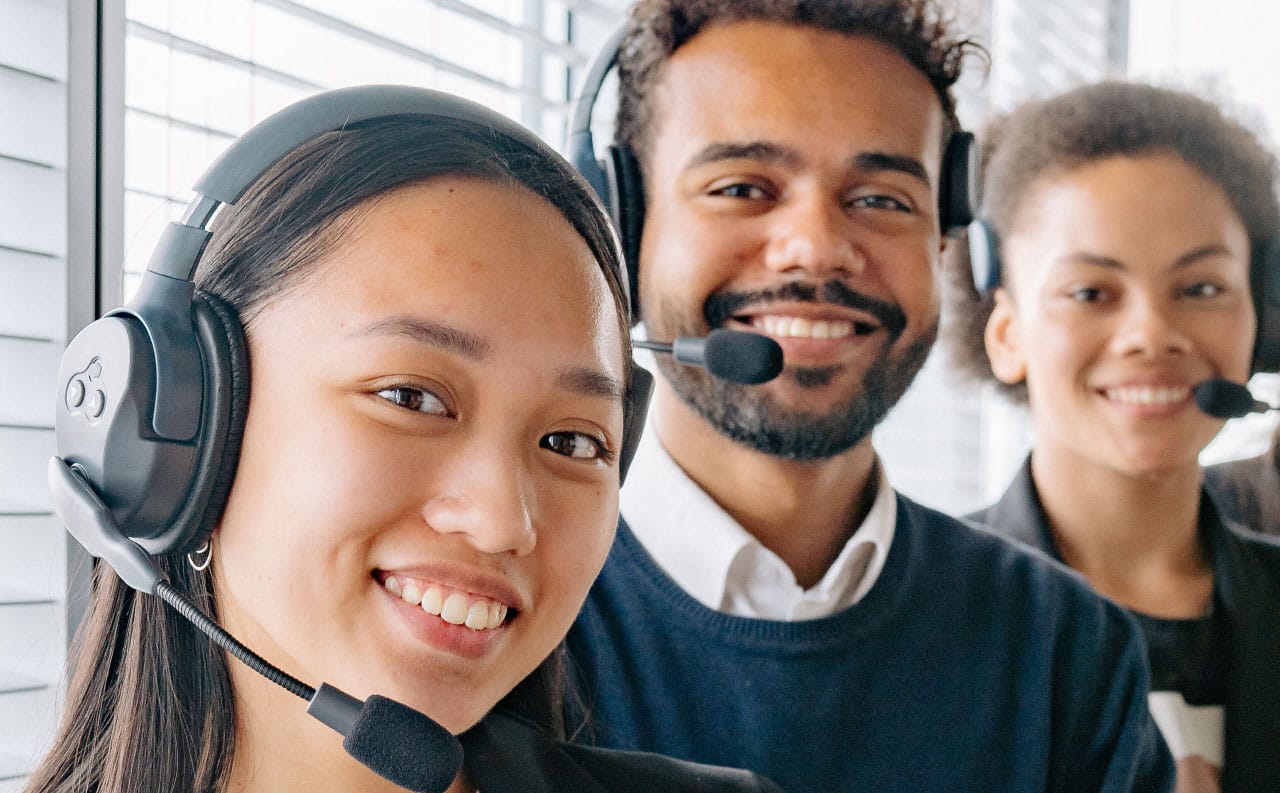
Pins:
x: 1018, y: 579
x: 506, y: 754
x: 619, y: 771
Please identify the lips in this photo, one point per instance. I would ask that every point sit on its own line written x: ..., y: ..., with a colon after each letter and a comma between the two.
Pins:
x: 798, y: 310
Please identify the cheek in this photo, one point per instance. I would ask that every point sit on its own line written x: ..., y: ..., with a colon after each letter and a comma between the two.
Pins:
x: 1235, y: 340
x: 309, y: 491
x: 1055, y: 350
x: 578, y: 538
x: 915, y: 282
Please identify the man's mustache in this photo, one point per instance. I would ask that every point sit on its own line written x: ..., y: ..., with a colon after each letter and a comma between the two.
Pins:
x: 721, y: 306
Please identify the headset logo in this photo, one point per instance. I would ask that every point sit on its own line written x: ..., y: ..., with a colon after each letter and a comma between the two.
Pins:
x: 84, y: 395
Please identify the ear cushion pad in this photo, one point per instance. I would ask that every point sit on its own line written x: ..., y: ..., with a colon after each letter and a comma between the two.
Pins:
x: 1266, y: 298
x: 220, y: 329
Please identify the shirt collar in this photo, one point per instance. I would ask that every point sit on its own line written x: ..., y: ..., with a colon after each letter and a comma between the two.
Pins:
x: 720, y: 564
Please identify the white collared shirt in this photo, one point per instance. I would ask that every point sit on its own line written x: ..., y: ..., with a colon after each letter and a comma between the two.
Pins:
x: 723, y: 566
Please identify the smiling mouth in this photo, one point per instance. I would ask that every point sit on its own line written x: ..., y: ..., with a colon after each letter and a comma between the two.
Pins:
x: 791, y: 327
x: 450, y: 605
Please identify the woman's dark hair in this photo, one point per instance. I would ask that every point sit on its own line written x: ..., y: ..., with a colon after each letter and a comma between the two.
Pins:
x: 149, y: 704
x: 1109, y: 119
x: 919, y: 30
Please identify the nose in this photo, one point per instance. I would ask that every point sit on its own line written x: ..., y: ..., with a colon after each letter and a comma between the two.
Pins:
x: 1148, y: 330
x: 490, y: 502
x: 811, y: 236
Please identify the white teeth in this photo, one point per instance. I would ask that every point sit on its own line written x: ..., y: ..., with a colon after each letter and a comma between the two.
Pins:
x: 454, y: 611
x: 477, y: 616
x: 802, y: 327
x: 433, y: 600
x: 411, y: 593
x: 1147, y: 395
x: 477, y: 613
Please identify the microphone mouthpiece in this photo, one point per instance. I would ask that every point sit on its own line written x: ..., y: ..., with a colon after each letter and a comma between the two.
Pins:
x: 1226, y: 400
x: 747, y: 358
x: 392, y: 739
x: 742, y: 357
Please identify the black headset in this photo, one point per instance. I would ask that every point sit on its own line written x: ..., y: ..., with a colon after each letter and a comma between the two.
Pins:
x: 618, y: 181
x: 1264, y: 277
x: 151, y: 398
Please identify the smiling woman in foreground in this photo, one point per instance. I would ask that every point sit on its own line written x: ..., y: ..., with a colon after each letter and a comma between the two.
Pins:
x: 426, y: 484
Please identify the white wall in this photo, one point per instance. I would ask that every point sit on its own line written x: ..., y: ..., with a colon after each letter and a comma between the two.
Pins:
x: 33, y: 319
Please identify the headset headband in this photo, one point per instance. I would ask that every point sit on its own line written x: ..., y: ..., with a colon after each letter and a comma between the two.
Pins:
x: 581, y: 143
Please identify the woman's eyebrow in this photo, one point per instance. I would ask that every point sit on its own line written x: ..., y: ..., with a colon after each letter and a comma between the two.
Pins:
x: 581, y: 380
x: 1185, y: 260
x: 591, y: 382
x: 426, y: 331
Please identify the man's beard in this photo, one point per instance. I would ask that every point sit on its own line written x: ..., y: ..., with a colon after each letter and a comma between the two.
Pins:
x: 748, y: 415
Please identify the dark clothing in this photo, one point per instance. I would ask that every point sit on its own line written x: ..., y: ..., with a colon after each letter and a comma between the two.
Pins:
x: 1247, y: 492
x: 1246, y: 574
x: 970, y: 665
x: 507, y: 755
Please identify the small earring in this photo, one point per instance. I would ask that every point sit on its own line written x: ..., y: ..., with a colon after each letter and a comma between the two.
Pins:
x: 199, y: 566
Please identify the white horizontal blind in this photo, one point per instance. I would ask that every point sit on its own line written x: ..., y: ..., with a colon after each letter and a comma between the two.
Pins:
x: 199, y: 72
x: 33, y: 247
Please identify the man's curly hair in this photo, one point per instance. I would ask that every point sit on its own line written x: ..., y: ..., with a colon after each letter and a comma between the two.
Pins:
x: 920, y: 30
x: 1095, y: 122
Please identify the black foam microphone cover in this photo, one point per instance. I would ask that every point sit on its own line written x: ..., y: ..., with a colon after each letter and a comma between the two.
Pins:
x: 742, y: 357
x: 404, y: 746
x: 1226, y: 400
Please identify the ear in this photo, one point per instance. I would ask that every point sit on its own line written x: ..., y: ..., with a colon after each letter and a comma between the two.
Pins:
x: 1003, y: 340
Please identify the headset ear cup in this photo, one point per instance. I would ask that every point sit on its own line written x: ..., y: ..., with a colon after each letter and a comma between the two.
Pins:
x: 1266, y: 300
x: 627, y: 185
x: 984, y: 256
x: 224, y: 403
x: 958, y: 182
x: 635, y: 411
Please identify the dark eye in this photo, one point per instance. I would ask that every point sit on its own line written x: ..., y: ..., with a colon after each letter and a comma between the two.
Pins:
x: 1086, y: 294
x: 1203, y: 289
x: 744, y: 190
x: 577, y: 445
x: 879, y: 202
x: 414, y: 398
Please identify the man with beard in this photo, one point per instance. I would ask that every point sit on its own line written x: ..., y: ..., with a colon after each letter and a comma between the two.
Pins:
x: 770, y: 602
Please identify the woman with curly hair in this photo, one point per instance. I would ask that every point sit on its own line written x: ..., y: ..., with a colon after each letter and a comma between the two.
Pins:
x: 1125, y: 229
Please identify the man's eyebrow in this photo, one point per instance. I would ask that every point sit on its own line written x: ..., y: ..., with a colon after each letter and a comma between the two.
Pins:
x: 592, y: 383
x: 429, y: 332
x: 776, y: 154
x: 758, y: 150
x: 883, y: 161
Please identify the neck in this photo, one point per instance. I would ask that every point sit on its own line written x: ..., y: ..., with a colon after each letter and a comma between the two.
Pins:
x: 279, y: 748
x: 804, y: 512
x: 1135, y: 538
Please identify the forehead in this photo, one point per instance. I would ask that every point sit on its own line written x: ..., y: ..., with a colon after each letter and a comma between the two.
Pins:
x: 805, y: 86
x: 492, y: 257
x: 1145, y: 200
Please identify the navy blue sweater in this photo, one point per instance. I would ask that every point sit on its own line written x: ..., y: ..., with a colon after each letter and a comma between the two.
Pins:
x: 971, y: 665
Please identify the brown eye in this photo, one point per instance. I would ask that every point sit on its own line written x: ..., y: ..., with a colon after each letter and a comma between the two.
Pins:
x: 1203, y: 289
x: 416, y: 399
x: 879, y: 202
x: 577, y: 445
x: 741, y: 190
